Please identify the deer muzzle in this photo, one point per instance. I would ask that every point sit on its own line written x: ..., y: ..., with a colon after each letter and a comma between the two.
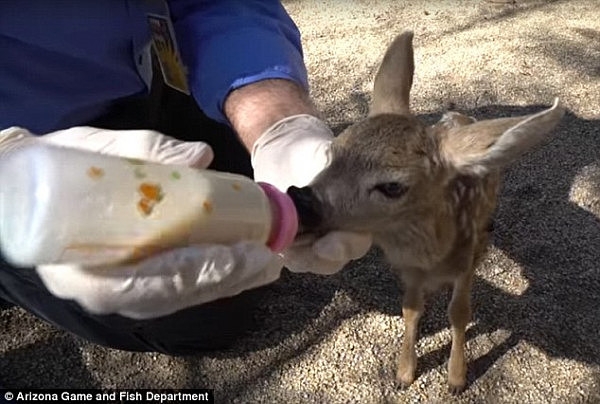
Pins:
x: 308, y: 206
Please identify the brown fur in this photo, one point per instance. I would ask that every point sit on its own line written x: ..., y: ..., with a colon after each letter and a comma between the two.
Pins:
x: 437, y: 231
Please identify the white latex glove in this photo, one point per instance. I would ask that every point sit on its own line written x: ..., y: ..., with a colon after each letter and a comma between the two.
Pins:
x: 293, y: 152
x: 169, y: 281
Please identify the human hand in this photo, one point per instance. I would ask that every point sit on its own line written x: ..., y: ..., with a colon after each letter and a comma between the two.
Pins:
x: 136, y: 144
x: 166, y: 282
x: 292, y: 152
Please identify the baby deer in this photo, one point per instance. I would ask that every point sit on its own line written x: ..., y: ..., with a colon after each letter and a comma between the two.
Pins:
x: 425, y: 193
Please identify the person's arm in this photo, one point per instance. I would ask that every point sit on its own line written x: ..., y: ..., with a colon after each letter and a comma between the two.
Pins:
x: 254, y: 108
x: 230, y: 47
x: 246, y: 68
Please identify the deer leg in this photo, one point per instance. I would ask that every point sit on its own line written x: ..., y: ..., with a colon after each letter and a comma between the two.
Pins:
x: 412, y: 308
x: 459, y: 313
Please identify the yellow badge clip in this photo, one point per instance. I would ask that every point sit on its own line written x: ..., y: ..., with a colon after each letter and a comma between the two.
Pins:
x: 165, y: 46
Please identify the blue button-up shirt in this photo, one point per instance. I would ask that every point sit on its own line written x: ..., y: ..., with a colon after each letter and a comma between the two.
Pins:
x: 64, y: 62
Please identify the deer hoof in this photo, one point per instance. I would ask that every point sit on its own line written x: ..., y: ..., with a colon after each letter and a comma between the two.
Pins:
x: 455, y: 390
x: 400, y: 385
x: 404, y: 379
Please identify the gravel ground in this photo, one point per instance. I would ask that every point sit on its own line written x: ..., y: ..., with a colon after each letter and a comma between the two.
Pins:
x: 535, y: 335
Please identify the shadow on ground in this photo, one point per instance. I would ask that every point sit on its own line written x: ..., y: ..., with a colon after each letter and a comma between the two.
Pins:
x: 48, y: 364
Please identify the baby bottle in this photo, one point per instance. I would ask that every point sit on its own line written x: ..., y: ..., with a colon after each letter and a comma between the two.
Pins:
x: 63, y: 205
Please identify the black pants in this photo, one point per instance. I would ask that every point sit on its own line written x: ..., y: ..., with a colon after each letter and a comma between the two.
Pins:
x: 210, y: 326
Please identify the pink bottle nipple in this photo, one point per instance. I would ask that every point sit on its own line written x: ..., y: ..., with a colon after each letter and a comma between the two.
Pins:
x: 285, y: 218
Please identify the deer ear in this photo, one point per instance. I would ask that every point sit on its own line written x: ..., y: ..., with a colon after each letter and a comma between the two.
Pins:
x: 492, y: 144
x: 393, y: 81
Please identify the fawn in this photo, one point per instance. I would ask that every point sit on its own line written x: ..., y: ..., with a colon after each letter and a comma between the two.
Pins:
x: 425, y: 193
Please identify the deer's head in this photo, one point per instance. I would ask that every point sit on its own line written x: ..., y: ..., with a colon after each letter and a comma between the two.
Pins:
x: 395, y: 177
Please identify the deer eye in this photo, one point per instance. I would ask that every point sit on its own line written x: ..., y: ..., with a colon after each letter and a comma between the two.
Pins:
x: 391, y: 189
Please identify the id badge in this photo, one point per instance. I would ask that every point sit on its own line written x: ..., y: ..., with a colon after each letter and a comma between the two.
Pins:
x: 165, y: 46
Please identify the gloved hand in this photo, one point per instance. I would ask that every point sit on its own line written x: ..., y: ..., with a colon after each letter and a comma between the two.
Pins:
x: 292, y: 152
x: 166, y: 282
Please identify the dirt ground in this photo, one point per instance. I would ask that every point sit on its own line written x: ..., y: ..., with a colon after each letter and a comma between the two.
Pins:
x: 535, y: 334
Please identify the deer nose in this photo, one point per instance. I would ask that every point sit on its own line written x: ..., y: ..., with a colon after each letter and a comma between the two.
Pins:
x: 307, y: 205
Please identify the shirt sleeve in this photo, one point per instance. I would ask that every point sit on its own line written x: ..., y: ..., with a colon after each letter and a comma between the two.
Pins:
x: 226, y: 44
